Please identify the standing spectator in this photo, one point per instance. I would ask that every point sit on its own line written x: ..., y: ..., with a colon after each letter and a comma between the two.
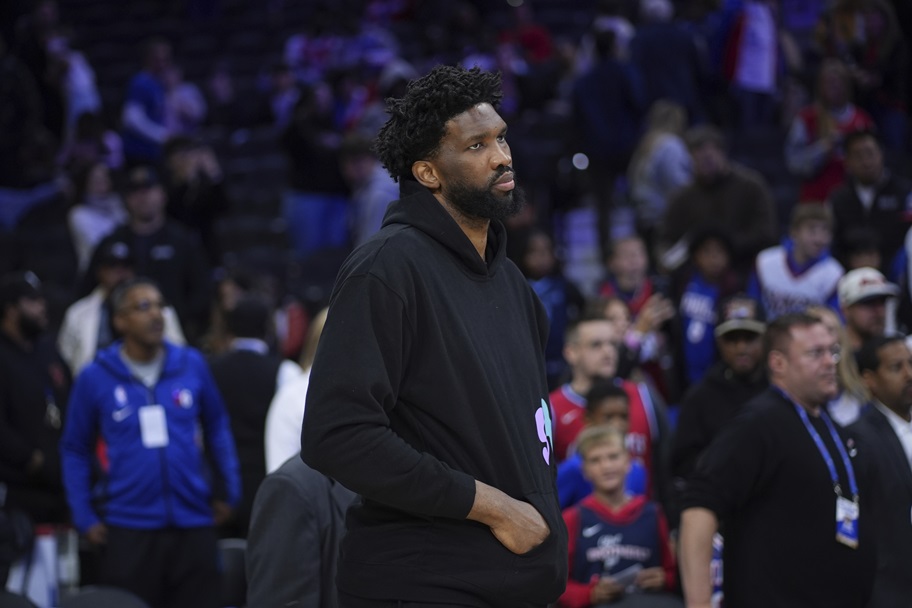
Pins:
x: 562, y: 300
x: 750, y: 480
x: 872, y: 197
x: 248, y: 377
x: 867, y: 37
x: 660, y: 166
x: 607, y: 104
x: 714, y: 401
x: 162, y: 250
x: 752, y: 63
x: 315, y: 206
x: 372, y: 189
x: 145, y: 108
x: 148, y: 400
x: 863, y: 296
x: 185, y: 105
x: 814, y: 147
x: 296, y: 530
x: 845, y: 408
x: 885, y: 430
x: 75, y: 78
x: 592, y: 356
x: 708, y: 279
x: 396, y: 401
x: 34, y: 386
x: 98, y: 211
x: 87, y: 326
x: 90, y: 142
x: 607, y: 404
x: 618, y: 543
x: 196, y: 191
x: 800, y: 272
x: 286, y: 412
x: 20, y: 118
x: 725, y: 193
x: 669, y: 59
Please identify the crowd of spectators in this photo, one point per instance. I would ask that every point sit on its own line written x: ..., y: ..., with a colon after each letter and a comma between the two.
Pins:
x: 699, y: 244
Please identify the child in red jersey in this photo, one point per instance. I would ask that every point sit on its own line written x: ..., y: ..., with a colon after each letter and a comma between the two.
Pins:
x: 618, y: 543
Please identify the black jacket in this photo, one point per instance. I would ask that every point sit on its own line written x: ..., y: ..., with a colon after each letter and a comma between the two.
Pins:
x: 34, y: 387
x: 705, y: 410
x: 430, y: 374
x: 893, y: 585
x: 889, y: 217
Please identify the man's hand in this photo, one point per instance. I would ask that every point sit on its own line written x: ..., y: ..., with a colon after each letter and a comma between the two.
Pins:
x: 221, y: 512
x: 651, y: 579
x: 516, y: 524
x: 606, y: 590
x: 97, y: 534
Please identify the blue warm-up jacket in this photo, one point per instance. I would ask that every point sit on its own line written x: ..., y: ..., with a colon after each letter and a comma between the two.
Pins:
x: 147, y: 488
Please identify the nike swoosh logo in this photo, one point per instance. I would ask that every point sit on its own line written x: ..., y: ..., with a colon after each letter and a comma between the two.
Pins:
x: 121, y: 415
x: 568, y: 417
x: 591, y: 530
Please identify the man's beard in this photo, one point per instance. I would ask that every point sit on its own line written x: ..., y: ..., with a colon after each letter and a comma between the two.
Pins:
x: 484, y: 203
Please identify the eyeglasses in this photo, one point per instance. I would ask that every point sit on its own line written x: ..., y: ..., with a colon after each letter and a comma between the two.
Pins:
x: 145, y: 306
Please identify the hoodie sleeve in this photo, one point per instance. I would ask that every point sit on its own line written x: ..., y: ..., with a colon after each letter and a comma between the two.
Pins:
x: 359, y: 366
x: 217, y: 432
x: 77, y: 452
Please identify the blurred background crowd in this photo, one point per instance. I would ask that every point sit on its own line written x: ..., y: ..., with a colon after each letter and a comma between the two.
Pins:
x: 674, y: 153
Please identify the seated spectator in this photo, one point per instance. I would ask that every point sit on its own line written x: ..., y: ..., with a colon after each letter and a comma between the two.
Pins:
x: 636, y: 343
x: 860, y: 248
x: 74, y: 76
x: 801, y: 272
x: 282, y: 96
x: 814, y: 147
x: 248, y: 377
x: 87, y: 327
x: 618, y: 544
x: 534, y: 254
x: 752, y: 63
x: 707, y: 278
x: 660, y: 166
x: 97, y: 212
x: 717, y: 398
x: 871, y: 197
x: 845, y: 408
x: 733, y: 197
x: 607, y: 404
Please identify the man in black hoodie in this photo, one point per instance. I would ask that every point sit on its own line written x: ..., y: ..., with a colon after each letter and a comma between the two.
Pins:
x: 428, y: 395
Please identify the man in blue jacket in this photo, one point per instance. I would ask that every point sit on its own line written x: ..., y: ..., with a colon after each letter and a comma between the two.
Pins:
x: 153, y: 507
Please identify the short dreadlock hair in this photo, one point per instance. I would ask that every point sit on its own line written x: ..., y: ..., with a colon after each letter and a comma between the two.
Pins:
x: 417, y: 122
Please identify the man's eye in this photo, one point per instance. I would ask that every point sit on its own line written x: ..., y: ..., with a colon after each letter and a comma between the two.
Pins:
x: 475, y: 146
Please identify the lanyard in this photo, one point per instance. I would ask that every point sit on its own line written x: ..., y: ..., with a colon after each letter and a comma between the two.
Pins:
x: 821, y: 447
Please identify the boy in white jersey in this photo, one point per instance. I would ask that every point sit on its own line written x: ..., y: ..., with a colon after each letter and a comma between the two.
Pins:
x: 800, y: 272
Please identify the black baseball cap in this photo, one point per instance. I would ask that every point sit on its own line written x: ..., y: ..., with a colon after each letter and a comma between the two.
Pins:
x: 140, y: 178
x: 115, y: 253
x: 740, y: 313
x: 18, y: 285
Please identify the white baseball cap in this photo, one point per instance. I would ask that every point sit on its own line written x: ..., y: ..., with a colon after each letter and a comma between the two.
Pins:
x: 864, y: 284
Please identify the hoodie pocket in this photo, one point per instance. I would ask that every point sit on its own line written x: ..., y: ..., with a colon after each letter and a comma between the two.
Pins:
x: 540, y: 575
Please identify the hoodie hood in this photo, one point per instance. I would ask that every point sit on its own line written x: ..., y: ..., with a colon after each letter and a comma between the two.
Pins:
x: 418, y: 208
x: 111, y: 360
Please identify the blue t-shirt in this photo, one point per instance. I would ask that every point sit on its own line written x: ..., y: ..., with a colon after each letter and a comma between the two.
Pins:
x: 148, y: 92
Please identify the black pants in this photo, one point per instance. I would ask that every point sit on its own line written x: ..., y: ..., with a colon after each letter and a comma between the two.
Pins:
x: 171, y: 568
x: 350, y: 601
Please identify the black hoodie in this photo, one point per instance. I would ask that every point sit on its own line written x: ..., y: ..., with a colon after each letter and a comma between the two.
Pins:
x: 429, y: 375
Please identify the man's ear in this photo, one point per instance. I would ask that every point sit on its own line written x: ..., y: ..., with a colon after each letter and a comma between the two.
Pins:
x: 867, y: 378
x: 426, y: 174
x: 776, y: 362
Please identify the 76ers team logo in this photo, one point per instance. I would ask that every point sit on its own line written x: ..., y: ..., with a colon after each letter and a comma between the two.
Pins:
x: 183, y: 397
